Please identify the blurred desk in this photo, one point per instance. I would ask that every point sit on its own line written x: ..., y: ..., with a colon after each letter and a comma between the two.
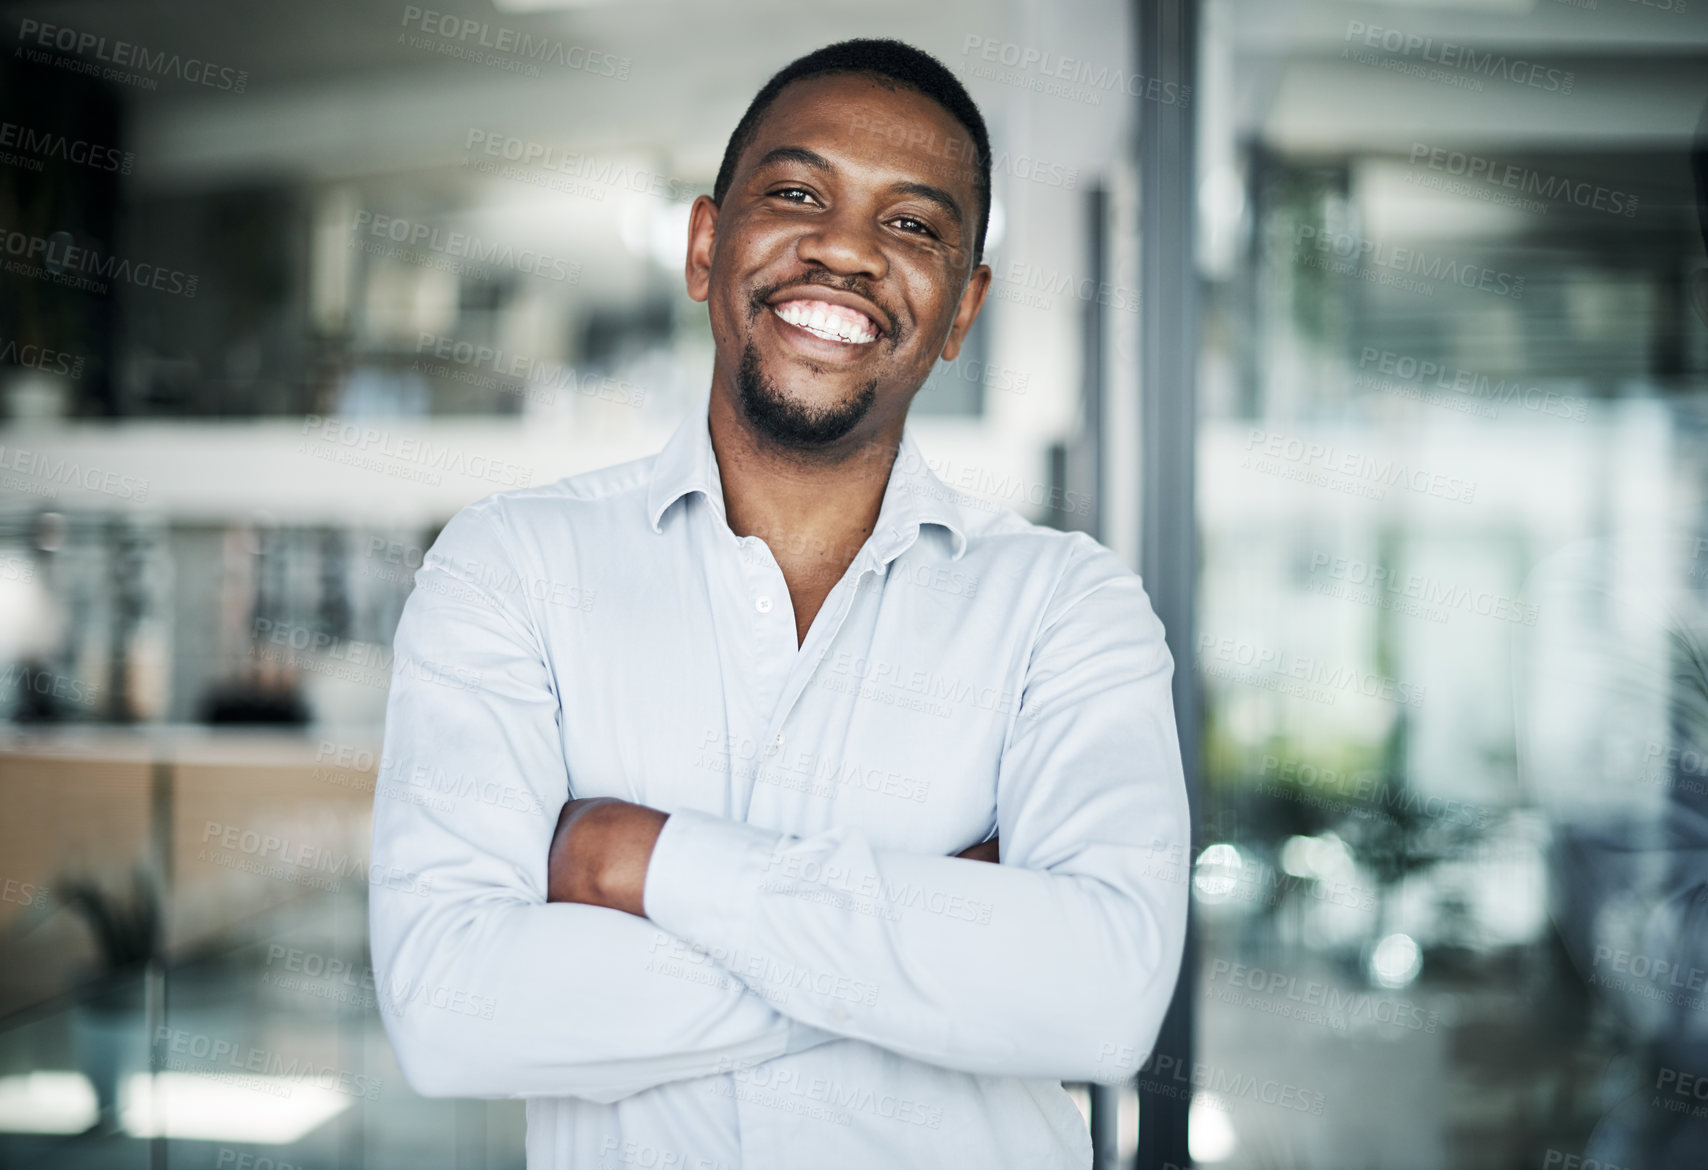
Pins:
x: 229, y: 825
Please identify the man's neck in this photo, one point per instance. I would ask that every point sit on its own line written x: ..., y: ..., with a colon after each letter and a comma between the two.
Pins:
x: 814, y: 512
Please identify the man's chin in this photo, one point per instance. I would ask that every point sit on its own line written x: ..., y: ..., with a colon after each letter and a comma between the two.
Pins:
x: 801, y: 421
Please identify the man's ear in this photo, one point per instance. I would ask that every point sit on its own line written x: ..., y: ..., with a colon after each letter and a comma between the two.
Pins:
x: 702, y: 235
x: 972, y: 299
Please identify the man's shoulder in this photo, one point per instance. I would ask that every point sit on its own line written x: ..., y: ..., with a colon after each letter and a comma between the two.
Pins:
x: 1007, y: 540
x: 1036, y: 574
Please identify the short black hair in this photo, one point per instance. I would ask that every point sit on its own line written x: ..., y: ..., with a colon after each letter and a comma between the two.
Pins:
x: 878, y: 58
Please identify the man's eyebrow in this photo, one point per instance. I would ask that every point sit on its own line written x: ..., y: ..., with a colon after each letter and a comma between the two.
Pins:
x: 796, y: 154
x: 811, y: 158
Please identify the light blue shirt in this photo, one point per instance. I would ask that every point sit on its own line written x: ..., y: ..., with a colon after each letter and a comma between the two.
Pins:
x: 819, y: 982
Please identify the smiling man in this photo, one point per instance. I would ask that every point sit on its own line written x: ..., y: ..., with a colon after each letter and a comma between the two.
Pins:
x: 696, y: 767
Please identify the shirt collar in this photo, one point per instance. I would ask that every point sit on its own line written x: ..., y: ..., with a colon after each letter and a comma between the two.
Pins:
x: 913, y: 498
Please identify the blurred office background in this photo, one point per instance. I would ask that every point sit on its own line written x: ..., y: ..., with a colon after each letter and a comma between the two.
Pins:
x: 1375, y: 334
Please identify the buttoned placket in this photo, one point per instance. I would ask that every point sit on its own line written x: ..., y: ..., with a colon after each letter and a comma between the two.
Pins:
x: 770, y: 615
x: 826, y: 624
x: 770, y: 612
x: 758, y: 1126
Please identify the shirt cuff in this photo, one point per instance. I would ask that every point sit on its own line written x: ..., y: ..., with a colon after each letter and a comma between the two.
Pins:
x: 703, y: 879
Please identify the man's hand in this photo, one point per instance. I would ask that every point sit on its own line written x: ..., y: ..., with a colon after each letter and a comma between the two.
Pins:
x: 983, y: 851
x: 600, y: 852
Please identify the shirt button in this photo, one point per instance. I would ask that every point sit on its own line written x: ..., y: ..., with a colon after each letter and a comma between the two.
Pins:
x: 762, y: 604
x: 778, y: 742
x: 839, y: 1014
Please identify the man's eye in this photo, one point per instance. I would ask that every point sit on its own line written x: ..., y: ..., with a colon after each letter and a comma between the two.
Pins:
x: 918, y: 225
x: 786, y: 192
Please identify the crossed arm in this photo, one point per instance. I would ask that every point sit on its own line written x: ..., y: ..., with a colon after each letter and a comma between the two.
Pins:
x: 602, y: 846
x: 503, y: 971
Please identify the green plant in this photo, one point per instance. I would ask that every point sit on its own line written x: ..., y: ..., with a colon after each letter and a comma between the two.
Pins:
x: 125, y: 924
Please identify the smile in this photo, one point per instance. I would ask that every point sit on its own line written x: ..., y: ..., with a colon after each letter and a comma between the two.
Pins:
x: 831, y: 322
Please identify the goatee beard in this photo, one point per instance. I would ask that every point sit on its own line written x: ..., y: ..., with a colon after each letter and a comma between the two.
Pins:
x: 788, y: 423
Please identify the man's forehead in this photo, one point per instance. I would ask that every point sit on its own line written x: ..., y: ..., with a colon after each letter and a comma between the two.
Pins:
x: 845, y: 98
x: 896, y: 128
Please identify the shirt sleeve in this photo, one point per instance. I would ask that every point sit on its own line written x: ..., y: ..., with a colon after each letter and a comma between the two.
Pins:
x: 1059, y: 962
x: 487, y: 990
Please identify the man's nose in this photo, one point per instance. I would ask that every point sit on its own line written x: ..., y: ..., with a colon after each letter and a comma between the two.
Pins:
x: 846, y: 243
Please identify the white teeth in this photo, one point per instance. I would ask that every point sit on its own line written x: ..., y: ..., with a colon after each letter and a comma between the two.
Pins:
x: 831, y: 324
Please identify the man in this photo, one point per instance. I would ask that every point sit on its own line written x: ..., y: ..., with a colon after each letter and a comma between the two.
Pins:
x: 738, y: 729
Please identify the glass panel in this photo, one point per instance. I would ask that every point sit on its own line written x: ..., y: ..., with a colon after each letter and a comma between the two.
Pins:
x: 1452, y: 612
